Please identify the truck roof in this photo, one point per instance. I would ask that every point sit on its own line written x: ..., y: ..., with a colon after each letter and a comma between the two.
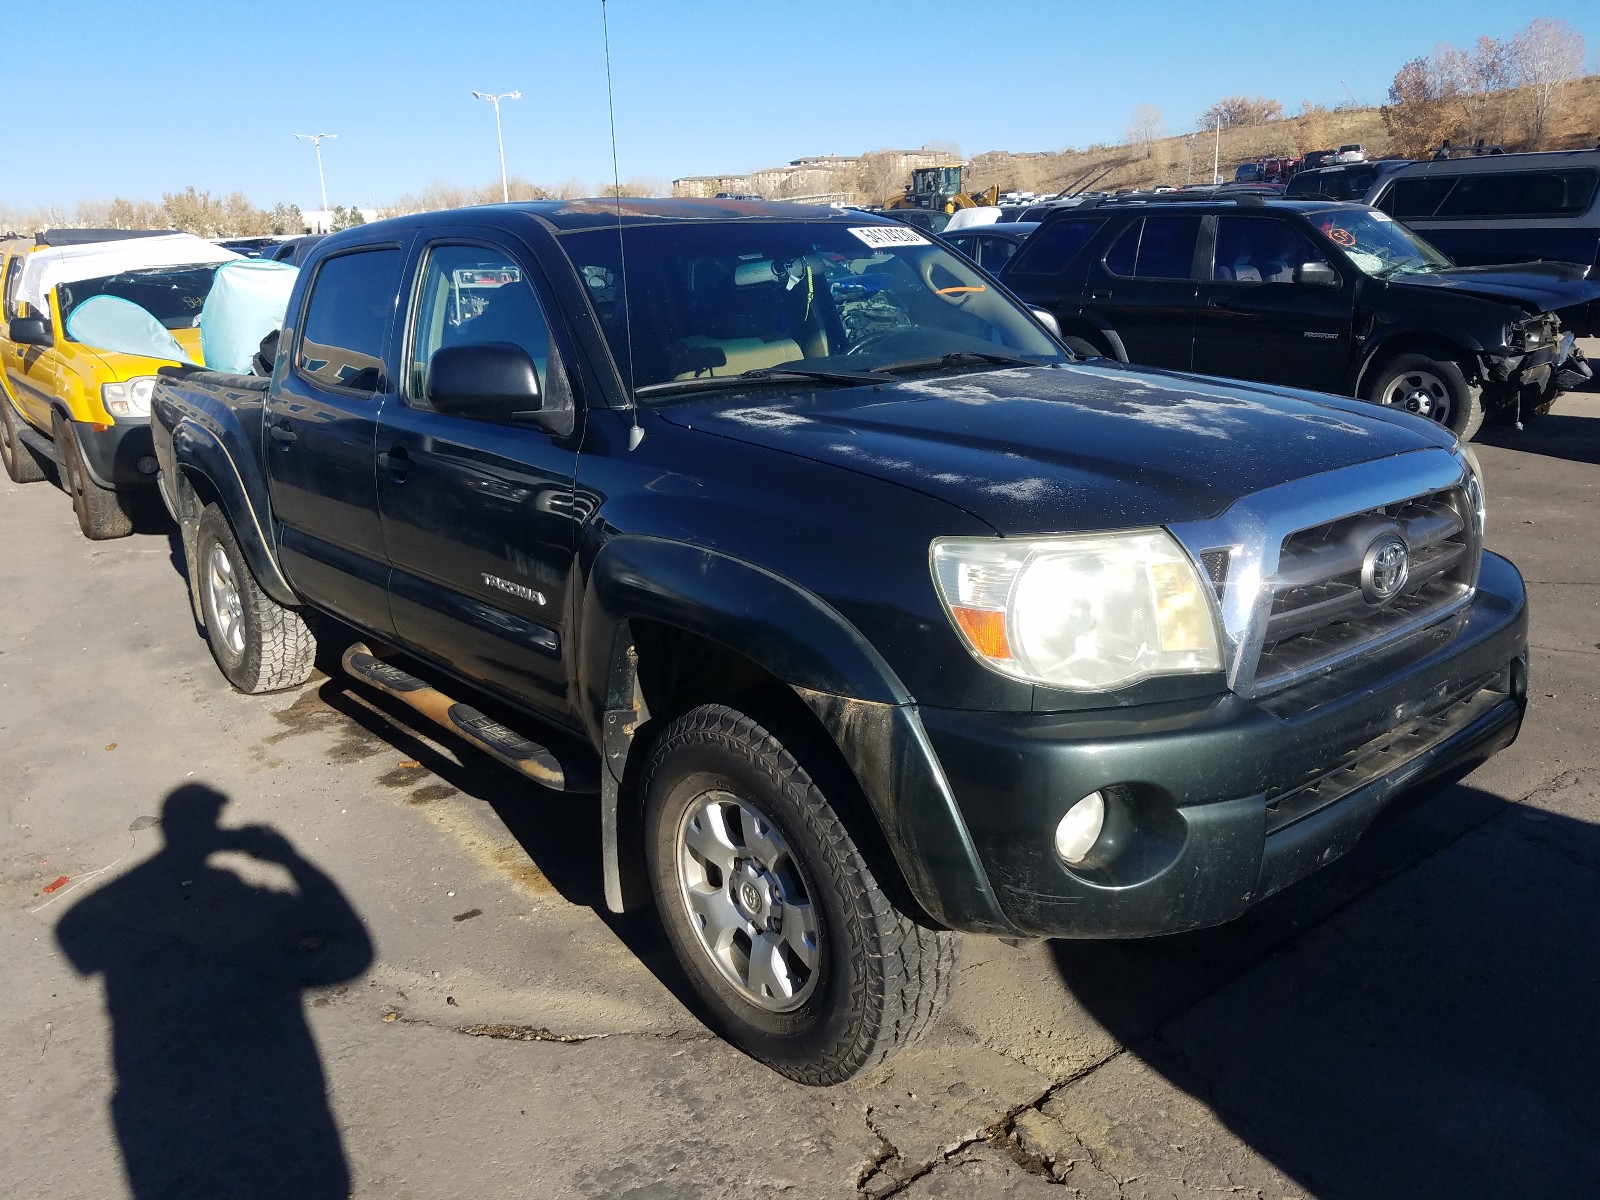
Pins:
x: 604, y: 212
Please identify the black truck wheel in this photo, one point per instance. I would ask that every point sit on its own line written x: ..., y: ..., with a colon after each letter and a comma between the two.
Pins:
x: 103, y: 513
x: 20, y: 463
x: 797, y: 955
x: 259, y: 645
x: 1430, y: 387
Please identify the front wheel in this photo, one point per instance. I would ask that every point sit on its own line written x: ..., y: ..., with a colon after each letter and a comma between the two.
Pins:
x: 259, y: 645
x: 1432, y: 388
x: 103, y: 513
x: 797, y: 955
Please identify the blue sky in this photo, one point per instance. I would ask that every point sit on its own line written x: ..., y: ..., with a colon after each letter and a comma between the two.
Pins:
x: 136, y: 97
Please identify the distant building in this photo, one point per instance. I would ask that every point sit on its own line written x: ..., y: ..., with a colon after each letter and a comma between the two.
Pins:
x: 320, y: 220
x: 812, y: 175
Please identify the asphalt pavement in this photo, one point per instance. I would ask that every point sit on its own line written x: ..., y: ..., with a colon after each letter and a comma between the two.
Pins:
x: 295, y: 945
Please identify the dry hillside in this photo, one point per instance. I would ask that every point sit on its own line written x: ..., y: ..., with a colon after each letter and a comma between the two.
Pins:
x: 1575, y: 122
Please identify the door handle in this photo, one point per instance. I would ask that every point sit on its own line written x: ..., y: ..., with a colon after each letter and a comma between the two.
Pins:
x: 396, y: 461
x: 282, y: 433
x: 1099, y: 295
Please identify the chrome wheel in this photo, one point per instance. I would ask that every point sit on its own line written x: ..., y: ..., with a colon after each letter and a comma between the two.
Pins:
x: 1421, y: 392
x: 748, y: 901
x: 224, y: 607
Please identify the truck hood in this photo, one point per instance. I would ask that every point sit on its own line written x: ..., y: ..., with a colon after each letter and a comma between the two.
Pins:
x: 1099, y: 445
x: 1536, y: 286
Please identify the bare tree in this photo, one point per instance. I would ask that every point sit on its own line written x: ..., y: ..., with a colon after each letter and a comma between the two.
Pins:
x: 1233, y: 111
x: 1145, y: 126
x: 1544, y: 55
x: 878, y: 176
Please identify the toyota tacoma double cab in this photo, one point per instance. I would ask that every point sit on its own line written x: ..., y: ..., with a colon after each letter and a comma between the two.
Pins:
x: 866, y: 613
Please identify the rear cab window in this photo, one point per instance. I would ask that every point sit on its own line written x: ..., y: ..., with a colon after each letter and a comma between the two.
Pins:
x: 346, y: 320
x: 1052, y: 249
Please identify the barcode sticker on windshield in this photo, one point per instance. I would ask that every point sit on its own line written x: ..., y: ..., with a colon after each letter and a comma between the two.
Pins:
x: 881, y: 236
x: 1380, y: 215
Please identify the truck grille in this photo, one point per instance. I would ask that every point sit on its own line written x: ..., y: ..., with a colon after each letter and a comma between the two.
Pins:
x: 1331, y: 598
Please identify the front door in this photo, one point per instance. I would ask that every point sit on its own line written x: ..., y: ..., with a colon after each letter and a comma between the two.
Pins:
x: 1145, y: 286
x: 320, y: 440
x: 477, y: 511
x: 1258, y: 320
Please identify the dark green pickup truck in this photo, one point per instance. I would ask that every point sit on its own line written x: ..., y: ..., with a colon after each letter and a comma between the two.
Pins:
x: 865, y: 613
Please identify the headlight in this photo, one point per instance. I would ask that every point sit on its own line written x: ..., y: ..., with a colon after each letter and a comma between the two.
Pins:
x: 1085, y: 612
x: 130, y: 399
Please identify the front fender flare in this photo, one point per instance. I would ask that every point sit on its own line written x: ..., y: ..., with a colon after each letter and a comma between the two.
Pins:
x: 805, y: 643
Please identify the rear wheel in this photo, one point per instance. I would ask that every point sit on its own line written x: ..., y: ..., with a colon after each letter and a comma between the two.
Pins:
x: 20, y: 463
x: 103, y: 513
x: 796, y: 953
x: 1432, y: 388
x: 1081, y: 347
x: 258, y: 644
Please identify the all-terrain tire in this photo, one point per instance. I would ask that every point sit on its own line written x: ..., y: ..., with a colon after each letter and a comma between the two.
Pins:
x: 258, y: 644
x: 880, y: 977
x: 103, y: 513
x: 1432, y: 387
x: 22, y: 466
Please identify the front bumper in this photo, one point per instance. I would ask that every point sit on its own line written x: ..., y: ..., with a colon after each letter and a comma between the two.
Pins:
x: 120, y: 455
x: 1222, y: 802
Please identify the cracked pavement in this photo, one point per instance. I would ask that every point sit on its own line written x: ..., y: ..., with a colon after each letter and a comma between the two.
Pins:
x: 458, y: 1016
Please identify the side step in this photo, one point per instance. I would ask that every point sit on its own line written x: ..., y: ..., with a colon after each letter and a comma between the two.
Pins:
x: 36, y: 441
x: 526, y: 757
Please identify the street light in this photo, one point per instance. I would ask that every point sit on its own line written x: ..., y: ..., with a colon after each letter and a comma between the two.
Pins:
x: 505, y: 189
x: 316, y: 141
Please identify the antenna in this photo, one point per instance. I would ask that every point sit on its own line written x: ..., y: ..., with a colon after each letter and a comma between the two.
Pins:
x: 635, y: 434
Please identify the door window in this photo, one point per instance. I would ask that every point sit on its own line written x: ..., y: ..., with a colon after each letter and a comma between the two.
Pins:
x: 13, y: 279
x: 1260, y: 250
x: 1156, y: 247
x: 471, y: 295
x: 1051, y: 250
x: 341, y: 335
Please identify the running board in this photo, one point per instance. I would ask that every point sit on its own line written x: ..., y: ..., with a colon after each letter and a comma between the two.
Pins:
x: 528, y: 758
x: 32, y: 438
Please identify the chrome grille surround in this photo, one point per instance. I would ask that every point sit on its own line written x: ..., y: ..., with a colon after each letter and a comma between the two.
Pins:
x: 1286, y: 564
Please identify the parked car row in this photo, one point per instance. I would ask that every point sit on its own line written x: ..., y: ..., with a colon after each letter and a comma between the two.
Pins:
x: 862, y: 610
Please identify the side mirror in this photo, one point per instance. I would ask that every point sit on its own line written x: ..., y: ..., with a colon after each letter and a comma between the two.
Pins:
x: 1046, y: 318
x: 1318, y: 274
x: 488, y: 380
x: 29, y: 331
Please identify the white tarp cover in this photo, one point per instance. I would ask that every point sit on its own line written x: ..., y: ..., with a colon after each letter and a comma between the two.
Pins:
x: 965, y: 218
x: 112, y: 323
x: 43, y: 269
x: 246, y: 302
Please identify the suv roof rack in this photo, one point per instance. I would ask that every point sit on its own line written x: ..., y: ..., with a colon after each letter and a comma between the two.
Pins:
x: 1249, y: 199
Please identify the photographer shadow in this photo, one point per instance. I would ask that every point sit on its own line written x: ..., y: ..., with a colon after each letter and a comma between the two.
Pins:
x: 220, y: 1090
x: 1414, y: 1021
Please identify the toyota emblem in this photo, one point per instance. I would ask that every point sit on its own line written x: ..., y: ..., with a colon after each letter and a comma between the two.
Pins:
x: 1384, y: 569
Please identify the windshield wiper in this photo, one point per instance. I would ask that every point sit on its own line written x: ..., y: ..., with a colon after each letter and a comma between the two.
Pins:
x: 760, y: 375
x: 958, y: 358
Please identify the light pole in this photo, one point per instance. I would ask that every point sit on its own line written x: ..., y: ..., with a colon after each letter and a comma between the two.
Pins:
x: 505, y: 189
x: 316, y: 141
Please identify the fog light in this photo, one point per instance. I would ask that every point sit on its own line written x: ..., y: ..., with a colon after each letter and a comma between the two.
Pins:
x: 1080, y: 828
x: 147, y: 465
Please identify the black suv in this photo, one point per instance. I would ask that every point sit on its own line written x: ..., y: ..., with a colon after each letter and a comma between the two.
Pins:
x: 1314, y: 294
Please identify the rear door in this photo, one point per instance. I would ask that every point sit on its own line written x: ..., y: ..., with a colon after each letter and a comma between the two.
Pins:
x: 321, y: 434
x: 478, y: 512
x: 1255, y: 320
x: 29, y: 370
x: 1146, y: 287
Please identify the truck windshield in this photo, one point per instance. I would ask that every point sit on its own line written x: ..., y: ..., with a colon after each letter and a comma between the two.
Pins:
x: 1377, y: 244
x: 172, y: 295
x: 711, y: 301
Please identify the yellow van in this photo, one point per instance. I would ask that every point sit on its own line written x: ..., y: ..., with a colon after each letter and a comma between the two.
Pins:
x: 82, y: 407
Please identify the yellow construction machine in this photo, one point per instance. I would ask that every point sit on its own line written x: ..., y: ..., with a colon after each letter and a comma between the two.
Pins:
x: 941, y: 189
